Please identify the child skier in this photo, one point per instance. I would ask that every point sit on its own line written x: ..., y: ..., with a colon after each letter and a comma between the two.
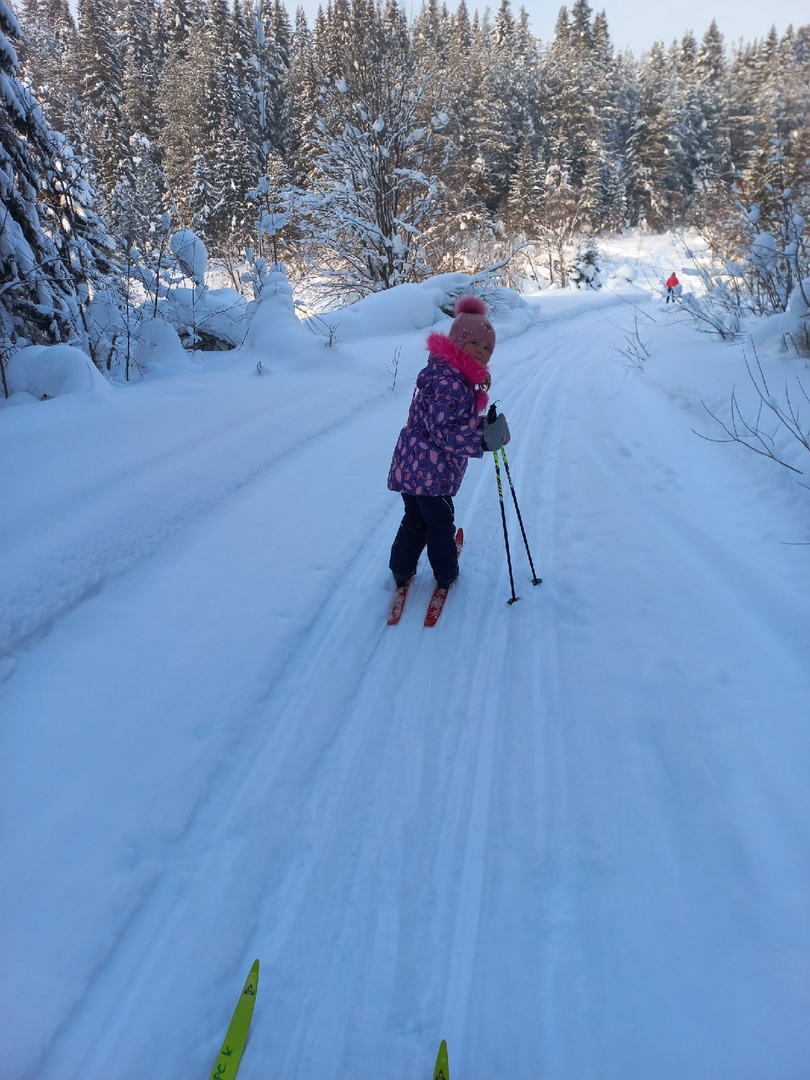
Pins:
x: 672, y: 285
x: 444, y: 430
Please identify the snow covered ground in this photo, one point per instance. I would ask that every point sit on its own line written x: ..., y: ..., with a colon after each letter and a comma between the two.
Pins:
x: 571, y: 836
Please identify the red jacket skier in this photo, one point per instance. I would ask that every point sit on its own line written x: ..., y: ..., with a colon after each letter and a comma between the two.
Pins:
x: 672, y: 284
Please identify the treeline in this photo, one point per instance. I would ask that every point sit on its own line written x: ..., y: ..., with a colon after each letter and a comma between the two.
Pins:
x: 370, y: 149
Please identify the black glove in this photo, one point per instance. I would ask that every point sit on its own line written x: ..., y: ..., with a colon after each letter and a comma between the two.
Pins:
x: 496, y: 432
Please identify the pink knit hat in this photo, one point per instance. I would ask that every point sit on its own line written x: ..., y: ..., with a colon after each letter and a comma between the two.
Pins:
x: 471, y: 322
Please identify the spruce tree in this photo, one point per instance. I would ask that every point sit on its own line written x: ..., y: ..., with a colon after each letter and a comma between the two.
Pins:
x: 578, y: 70
x: 99, y: 67
x: 48, y: 61
x: 654, y: 197
x: 55, y: 252
x: 372, y: 194
x: 38, y: 302
x: 141, y: 68
x: 524, y: 201
x: 183, y: 103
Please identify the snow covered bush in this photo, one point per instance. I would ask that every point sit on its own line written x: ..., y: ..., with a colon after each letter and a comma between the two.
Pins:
x: 191, y: 254
x: 585, y: 271
x: 757, y: 233
x: 774, y: 425
x: 205, y: 319
x: 45, y: 372
x: 56, y: 253
x: 210, y: 320
x: 38, y: 302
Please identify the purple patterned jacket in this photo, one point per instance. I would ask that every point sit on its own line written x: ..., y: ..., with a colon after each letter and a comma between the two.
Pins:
x: 444, y: 429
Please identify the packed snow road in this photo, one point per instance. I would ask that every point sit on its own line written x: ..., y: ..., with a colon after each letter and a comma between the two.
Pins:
x: 569, y: 835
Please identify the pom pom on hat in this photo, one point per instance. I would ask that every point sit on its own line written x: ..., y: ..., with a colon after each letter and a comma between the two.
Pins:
x: 470, y: 305
x: 471, y: 322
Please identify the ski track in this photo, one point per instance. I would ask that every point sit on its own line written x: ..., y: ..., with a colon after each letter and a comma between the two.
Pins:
x: 220, y: 805
x: 379, y: 856
x: 153, y: 502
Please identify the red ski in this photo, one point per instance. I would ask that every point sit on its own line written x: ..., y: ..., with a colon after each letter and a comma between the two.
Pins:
x: 436, y: 605
x: 400, y: 596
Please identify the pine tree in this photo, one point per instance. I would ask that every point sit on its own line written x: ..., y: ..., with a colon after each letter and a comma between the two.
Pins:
x: 372, y: 199
x: 99, y: 67
x: 181, y: 16
x: 741, y: 109
x: 442, y: 54
x: 473, y: 145
x: 579, y: 75
x: 37, y: 298
x: 48, y: 61
x: 54, y: 250
x: 707, y: 94
x: 180, y: 102
x: 212, y: 176
x: 300, y: 101
x: 281, y: 52
x: 513, y: 75
x: 482, y: 125
x: 140, y: 198
x: 653, y: 181
x: 524, y: 201
x: 141, y: 68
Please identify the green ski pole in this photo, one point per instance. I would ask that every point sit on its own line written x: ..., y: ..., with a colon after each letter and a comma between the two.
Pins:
x: 505, y: 531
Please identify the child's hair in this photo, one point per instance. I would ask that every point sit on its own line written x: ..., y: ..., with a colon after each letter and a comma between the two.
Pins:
x: 471, y: 322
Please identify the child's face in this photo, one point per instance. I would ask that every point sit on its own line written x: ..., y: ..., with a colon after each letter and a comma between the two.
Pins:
x: 479, y: 350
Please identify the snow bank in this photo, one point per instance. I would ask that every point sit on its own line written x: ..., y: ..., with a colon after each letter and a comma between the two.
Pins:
x: 49, y: 371
x: 405, y: 307
x: 274, y: 320
x: 419, y: 307
x: 159, y: 351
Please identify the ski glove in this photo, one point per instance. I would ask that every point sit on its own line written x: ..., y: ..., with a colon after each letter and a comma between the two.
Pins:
x: 496, y: 433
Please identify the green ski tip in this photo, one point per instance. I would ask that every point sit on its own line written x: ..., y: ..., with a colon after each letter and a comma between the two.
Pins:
x: 230, y: 1056
x: 442, y: 1070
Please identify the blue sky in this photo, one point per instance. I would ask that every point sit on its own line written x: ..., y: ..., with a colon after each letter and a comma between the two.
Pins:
x: 637, y: 24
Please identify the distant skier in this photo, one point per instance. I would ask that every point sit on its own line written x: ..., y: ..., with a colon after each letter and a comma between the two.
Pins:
x: 444, y: 430
x: 672, y: 285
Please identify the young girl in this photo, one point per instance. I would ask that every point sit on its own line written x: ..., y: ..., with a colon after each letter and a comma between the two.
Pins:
x: 444, y: 430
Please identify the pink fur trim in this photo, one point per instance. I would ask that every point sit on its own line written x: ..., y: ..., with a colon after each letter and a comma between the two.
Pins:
x: 475, y: 374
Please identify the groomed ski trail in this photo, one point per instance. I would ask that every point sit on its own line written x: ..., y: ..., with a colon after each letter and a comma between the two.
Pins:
x: 506, y: 839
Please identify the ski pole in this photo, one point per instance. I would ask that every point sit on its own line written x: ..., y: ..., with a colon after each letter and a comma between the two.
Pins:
x: 535, y: 579
x: 505, y: 533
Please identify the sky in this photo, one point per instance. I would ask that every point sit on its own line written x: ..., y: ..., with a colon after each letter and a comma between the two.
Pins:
x: 637, y: 24
x: 569, y: 835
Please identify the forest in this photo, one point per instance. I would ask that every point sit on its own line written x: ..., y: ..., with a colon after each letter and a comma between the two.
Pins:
x: 370, y: 150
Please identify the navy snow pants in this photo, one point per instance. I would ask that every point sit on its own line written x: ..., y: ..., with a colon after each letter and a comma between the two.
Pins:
x: 428, y: 521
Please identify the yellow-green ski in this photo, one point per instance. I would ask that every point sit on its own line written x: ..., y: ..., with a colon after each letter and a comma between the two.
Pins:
x: 442, y: 1070
x: 230, y: 1055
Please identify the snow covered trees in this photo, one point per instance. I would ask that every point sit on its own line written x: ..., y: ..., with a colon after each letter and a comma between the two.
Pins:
x: 373, y: 189
x: 374, y: 148
x: 38, y: 302
x: 55, y: 251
